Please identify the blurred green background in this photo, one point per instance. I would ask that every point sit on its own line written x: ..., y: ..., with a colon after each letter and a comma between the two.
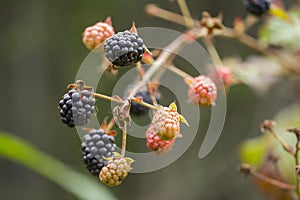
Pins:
x: 41, y: 51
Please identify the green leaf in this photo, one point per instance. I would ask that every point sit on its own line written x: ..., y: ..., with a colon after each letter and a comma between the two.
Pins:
x: 277, y: 31
x: 253, y: 151
x: 80, y: 185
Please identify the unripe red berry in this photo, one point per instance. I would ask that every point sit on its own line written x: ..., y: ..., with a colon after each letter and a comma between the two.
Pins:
x: 166, y: 123
x: 202, y: 90
x: 154, y: 143
x: 221, y: 76
x: 94, y: 36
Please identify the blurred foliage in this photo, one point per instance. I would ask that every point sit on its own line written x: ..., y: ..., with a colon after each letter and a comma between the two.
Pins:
x: 280, y: 32
x: 256, y: 151
x: 21, y: 152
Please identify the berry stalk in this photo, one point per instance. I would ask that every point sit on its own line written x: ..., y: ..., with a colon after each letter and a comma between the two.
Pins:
x: 186, y: 14
x: 173, y: 47
x: 213, y: 52
x: 124, y: 140
x: 249, y: 170
x: 120, y: 101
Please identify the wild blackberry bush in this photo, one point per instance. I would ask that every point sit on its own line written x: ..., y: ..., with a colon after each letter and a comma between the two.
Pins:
x: 278, y: 38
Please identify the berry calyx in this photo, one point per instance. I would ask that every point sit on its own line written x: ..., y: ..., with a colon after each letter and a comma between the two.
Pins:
x: 97, y: 145
x: 94, y: 36
x: 154, y: 143
x: 166, y: 122
x: 77, y: 106
x: 124, y: 48
x: 116, y: 170
x: 258, y: 7
x: 222, y: 75
x: 202, y: 90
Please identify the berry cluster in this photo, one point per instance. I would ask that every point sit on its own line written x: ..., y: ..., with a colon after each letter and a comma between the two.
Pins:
x: 77, y: 107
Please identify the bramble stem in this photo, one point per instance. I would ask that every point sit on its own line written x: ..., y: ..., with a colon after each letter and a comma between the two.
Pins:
x: 178, y: 71
x: 120, y: 101
x: 167, y: 52
x: 213, y: 52
x: 186, y: 14
x: 124, y: 138
x: 283, y: 143
x: 296, y: 156
x: 167, y: 15
x: 249, y: 170
x: 102, y: 96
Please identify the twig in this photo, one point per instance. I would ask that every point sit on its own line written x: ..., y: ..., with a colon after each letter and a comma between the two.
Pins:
x: 249, y: 170
x: 213, y: 52
x: 154, y: 10
x: 120, y: 101
x: 124, y: 138
x: 177, y: 71
x: 173, y: 47
x: 186, y: 14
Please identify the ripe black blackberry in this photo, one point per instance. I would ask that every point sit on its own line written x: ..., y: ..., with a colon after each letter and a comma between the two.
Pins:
x: 97, y: 145
x: 258, y: 7
x: 124, y: 48
x: 77, y: 107
x: 145, y: 95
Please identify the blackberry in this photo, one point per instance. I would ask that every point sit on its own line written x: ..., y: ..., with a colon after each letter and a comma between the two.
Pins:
x: 145, y: 95
x: 77, y: 107
x: 97, y: 145
x: 258, y: 7
x: 124, y: 48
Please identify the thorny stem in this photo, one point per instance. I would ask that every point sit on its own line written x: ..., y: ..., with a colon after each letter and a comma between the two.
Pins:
x: 247, y: 169
x: 124, y: 138
x: 186, y: 14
